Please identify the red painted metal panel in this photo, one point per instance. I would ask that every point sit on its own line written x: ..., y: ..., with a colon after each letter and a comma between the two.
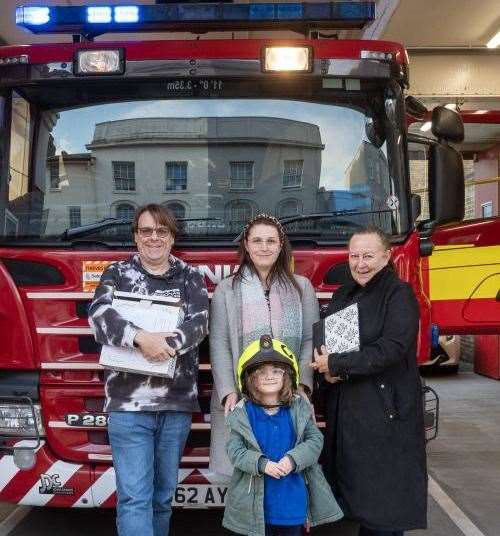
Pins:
x: 204, y: 49
x: 487, y: 356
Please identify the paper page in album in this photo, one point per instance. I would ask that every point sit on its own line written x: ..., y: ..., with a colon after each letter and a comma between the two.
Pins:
x: 342, y: 330
x: 151, y: 313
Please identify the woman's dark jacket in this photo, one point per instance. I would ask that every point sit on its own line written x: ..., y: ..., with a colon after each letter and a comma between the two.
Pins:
x: 375, y: 446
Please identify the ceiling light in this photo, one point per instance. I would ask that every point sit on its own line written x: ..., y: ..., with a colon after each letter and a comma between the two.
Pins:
x: 494, y: 41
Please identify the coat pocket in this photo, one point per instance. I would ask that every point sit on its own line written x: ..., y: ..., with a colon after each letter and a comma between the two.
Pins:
x: 387, y: 396
x: 323, y: 508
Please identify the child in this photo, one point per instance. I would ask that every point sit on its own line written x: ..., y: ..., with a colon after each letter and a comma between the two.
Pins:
x: 277, y: 485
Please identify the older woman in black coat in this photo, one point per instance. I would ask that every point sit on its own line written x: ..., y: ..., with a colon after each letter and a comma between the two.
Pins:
x: 375, y: 444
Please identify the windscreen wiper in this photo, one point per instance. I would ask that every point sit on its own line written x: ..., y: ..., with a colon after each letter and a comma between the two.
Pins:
x: 84, y: 230
x: 90, y: 228
x: 334, y: 214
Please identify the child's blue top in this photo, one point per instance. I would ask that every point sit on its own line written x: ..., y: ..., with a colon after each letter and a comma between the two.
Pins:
x: 285, y: 499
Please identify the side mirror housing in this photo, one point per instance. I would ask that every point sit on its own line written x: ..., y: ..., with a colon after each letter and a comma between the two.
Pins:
x: 447, y: 125
x: 446, y: 184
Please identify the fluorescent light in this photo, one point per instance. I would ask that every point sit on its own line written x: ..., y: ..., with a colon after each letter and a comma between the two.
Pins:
x: 494, y: 42
x: 126, y: 14
x: 426, y: 126
x: 98, y: 14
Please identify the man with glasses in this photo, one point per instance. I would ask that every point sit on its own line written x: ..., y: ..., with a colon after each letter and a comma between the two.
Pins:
x: 150, y: 416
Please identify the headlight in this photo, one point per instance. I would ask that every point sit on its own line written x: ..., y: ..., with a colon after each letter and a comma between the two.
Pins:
x: 287, y: 59
x: 18, y: 420
x: 90, y: 62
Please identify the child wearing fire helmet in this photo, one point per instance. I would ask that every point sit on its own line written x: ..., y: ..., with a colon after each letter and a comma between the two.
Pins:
x: 277, y: 485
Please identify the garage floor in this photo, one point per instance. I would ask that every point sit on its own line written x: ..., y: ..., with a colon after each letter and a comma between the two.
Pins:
x: 464, y: 469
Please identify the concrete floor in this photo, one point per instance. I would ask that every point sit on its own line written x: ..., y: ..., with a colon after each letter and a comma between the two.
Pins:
x: 464, y: 462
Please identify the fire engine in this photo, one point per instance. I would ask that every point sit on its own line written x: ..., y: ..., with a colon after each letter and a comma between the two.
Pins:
x: 312, y: 130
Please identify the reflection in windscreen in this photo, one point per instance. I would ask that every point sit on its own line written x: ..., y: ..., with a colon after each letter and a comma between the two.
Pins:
x: 215, y: 164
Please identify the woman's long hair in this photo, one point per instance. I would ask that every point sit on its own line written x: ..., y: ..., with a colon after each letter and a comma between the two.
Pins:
x: 281, y: 270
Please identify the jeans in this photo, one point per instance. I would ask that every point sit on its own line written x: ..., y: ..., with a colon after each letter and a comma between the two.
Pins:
x: 284, y: 530
x: 363, y: 531
x: 147, y: 448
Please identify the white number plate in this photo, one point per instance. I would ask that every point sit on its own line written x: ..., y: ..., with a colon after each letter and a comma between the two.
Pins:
x: 200, y: 496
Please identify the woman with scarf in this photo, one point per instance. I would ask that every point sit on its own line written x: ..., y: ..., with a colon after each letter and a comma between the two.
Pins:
x: 263, y: 296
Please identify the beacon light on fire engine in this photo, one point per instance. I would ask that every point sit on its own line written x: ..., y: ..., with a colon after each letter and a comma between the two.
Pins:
x: 93, y: 20
x: 89, y: 62
x: 32, y: 16
x: 287, y: 59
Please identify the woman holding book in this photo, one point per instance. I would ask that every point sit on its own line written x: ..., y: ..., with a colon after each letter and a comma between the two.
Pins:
x: 262, y: 297
x: 375, y: 443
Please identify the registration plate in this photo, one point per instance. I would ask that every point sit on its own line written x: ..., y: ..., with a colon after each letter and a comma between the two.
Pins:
x: 99, y: 420
x: 200, y: 496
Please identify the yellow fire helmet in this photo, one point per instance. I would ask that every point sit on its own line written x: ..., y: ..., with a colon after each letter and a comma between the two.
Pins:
x: 267, y: 350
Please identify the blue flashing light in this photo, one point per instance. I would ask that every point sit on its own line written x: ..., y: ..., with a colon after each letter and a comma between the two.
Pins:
x: 32, y: 15
x: 126, y: 14
x: 98, y: 14
x: 97, y: 20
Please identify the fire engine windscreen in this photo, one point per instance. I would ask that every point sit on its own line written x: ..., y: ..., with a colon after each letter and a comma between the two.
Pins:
x: 324, y: 167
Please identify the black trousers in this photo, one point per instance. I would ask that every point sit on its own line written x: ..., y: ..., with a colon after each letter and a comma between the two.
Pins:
x: 363, y: 531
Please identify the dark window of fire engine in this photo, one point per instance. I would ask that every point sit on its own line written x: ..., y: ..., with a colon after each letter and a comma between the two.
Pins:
x: 75, y: 216
x: 125, y: 211
x: 292, y: 173
x: 176, y: 176
x: 241, y: 175
x: 178, y: 209
x: 21, y: 131
x: 124, y: 176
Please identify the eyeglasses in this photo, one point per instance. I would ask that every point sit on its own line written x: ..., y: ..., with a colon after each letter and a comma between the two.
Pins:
x: 265, y: 372
x: 271, y: 243
x: 147, y: 232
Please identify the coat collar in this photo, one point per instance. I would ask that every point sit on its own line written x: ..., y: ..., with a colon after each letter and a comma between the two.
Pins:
x: 238, y: 419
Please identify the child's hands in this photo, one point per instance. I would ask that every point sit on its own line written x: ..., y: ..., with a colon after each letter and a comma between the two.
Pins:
x: 274, y: 469
x: 285, y: 464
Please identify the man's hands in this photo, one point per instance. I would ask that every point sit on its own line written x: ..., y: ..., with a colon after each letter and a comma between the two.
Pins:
x: 154, y: 347
x: 279, y: 469
x: 230, y: 402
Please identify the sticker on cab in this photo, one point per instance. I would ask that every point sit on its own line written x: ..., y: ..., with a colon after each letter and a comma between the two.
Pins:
x: 91, y: 274
x: 392, y: 202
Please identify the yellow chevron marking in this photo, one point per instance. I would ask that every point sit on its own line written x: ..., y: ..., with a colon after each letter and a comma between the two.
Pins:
x: 457, y: 272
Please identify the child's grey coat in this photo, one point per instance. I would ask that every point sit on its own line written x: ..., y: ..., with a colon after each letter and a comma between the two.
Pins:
x: 244, y: 513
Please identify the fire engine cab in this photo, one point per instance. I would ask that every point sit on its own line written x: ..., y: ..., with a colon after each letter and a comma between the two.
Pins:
x: 310, y: 129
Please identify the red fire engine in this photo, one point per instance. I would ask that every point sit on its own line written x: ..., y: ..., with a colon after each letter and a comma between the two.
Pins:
x: 312, y: 130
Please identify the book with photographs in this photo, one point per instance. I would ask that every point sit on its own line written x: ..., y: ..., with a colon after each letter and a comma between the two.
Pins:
x: 154, y: 313
x: 339, y: 332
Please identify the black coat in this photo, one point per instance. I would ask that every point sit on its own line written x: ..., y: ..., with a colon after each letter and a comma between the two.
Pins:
x: 375, y: 445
